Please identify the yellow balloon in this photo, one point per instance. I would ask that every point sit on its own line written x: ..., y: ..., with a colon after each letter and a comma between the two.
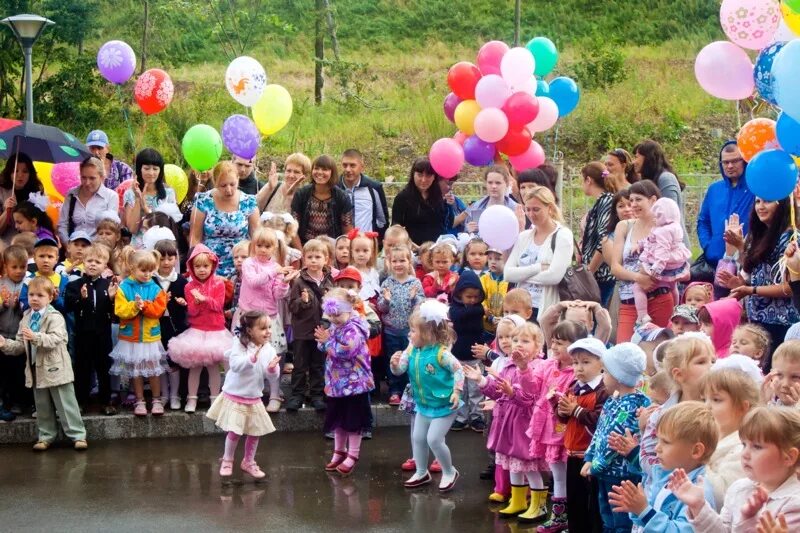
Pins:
x: 791, y: 18
x: 43, y: 171
x: 465, y: 116
x: 273, y: 110
x: 176, y: 178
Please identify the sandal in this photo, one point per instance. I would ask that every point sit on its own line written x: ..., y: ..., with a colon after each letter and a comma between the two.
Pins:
x: 339, y: 458
x: 225, y: 468
x: 345, y: 470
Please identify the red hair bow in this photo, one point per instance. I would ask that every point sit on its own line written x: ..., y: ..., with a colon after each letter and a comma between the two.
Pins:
x: 353, y: 233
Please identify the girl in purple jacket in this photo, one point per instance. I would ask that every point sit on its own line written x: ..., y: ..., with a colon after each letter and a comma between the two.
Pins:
x: 348, y: 378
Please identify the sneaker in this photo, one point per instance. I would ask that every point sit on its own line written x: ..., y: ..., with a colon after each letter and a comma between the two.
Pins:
x: 157, y: 408
x: 329, y: 435
x: 81, y: 445
x: 191, y: 404
x: 6, y: 416
x: 409, y: 466
x: 175, y: 403
x: 366, y: 434
x: 436, y: 468
x: 274, y: 405
x: 394, y: 400
x: 16, y: 409
x: 41, y: 446
x: 294, y: 405
x: 458, y: 426
x: 287, y: 368
x: 478, y: 425
x: 109, y: 410
x: 140, y: 409
x: 318, y: 404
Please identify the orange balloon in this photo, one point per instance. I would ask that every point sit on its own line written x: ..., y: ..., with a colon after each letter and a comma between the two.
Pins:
x: 53, y: 210
x: 756, y: 136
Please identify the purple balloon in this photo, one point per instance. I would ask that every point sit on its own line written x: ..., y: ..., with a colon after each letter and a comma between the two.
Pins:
x: 478, y: 152
x: 451, y: 102
x: 240, y: 136
x: 116, y: 61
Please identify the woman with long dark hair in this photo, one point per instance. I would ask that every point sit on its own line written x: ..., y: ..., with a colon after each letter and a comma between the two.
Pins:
x: 651, y: 163
x: 147, y: 194
x: 597, y: 186
x: 769, y: 304
x: 321, y: 208
x: 419, y: 207
x: 17, y: 181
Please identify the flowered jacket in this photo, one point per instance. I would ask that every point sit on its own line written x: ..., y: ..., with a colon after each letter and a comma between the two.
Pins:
x: 347, y: 360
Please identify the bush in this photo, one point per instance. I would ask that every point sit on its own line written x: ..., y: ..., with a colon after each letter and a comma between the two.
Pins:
x: 602, y: 64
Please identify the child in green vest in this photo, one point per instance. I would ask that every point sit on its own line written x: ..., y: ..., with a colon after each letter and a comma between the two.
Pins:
x: 436, y: 380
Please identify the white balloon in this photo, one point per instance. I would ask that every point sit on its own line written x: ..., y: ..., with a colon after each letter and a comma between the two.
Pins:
x: 245, y: 80
x: 517, y: 66
x: 547, y: 117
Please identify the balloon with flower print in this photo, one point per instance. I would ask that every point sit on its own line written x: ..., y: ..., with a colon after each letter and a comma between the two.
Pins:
x: 750, y: 23
x: 240, y: 136
x: 245, y: 80
x: 116, y: 61
x: 755, y: 136
x: 153, y: 91
x: 65, y: 176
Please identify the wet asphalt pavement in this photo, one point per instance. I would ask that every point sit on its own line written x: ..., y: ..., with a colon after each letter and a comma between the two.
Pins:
x: 173, y: 485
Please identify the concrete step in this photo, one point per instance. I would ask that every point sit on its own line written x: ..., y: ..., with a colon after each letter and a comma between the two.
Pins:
x: 180, y: 424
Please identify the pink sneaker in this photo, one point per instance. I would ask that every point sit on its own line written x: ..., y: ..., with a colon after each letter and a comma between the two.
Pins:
x: 226, y: 468
x: 252, y: 469
x: 158, y: 408
x: 140, y: 408
x: 409, y: 466
x: 436, y: 467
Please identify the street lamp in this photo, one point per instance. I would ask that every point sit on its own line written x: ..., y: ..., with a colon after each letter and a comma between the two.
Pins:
x: 27, y: 29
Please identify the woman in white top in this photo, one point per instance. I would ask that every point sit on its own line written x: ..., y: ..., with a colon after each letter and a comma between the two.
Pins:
x: 84, y: 204
x: 542, y: 254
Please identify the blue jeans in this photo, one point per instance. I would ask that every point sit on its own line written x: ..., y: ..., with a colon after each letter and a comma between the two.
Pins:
x: 606, y: 292
x: 612, y: 522
x: 395, y: 342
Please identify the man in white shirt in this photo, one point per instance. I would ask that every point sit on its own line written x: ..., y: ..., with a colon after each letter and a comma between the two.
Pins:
x: 370, y: 210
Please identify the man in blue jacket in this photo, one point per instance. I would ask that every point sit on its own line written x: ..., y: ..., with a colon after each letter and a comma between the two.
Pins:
x: 723, y: 198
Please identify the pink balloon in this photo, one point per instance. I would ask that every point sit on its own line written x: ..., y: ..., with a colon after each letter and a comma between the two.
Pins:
x: 65, y: 176
x: 547, y: 116
x: 490, y: 55
x: 521, y: 109
x: 530, y: 158
x: 725, y: 71
x: 447, y: 157
x: 120, y: 190
x: 460, y: 137
x: 750, y: 23
x: 517, y: 66
x: 491, y: 125
x: 492, y: 91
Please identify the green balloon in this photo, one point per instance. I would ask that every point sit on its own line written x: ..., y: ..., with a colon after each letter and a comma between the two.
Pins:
x: 794, y: 5
x: 202, y: 147
x: 545, y: 54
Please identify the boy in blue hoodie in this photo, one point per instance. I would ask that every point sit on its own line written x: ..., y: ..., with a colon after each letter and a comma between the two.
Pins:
x: 687, y: 437
x: 466, y: 314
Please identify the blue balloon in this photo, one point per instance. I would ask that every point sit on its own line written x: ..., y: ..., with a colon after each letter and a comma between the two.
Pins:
x: 786, y: 78
x: 565, y: 93
x: 771, y: 175
x: 542, y: 88
x: 762, y: 74
x: 478, y: 152
x: 788, y: 132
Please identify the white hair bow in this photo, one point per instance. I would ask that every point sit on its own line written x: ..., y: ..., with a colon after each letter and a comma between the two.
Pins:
x: 433, y: 311
x: 109, y: 215
x: 40, y: 200
x: 155, y: 234
x: 171, y: 210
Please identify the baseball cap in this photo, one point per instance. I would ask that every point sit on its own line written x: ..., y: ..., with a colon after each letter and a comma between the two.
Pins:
x: 593, y: 345
x: 687, y: 312
x: 46, y: 241
x: 491, y: 250
x: 80, y: 235
x: 97, y: 138
x: 350, y: 273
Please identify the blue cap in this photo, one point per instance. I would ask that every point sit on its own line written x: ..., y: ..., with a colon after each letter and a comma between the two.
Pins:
x: 97, y: 138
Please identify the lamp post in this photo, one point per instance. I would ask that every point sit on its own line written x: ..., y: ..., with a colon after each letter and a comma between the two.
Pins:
x: 27, y: 29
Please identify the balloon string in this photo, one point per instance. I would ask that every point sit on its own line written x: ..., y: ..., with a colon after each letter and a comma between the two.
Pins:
x: 555, y: 141
x: 125, y: 116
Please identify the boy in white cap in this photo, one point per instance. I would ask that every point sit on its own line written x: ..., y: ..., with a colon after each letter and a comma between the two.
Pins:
x: 624, y: 366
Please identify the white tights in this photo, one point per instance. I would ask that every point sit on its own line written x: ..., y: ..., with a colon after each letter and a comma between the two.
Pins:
x: 430, y: 432
x: 559, y: 471
x: 534, y: 479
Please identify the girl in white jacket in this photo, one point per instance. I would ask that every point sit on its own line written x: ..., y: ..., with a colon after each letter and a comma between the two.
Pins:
x: 239, y: 410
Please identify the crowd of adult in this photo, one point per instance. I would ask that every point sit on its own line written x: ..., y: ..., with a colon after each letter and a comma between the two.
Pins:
x: 330, y: 197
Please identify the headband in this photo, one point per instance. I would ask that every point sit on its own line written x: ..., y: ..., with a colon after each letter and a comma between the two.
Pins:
x: 332, y: 306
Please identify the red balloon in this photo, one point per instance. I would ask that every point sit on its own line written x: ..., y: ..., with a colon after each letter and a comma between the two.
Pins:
x: 521, y: 109
x: 120, y: 190
x: 516, y: 141
x: 462, y: 79
x: 153, y: 91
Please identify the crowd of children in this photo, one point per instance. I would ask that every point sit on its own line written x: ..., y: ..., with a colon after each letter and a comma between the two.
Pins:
x: 677, y: 430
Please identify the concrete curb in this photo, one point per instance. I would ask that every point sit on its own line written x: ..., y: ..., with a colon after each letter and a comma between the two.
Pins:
x: 180, y: 424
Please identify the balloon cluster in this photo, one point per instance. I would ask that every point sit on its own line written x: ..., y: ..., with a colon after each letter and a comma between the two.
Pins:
x: 153, y: 90
x: 500, y: 103
x: 724, y: 70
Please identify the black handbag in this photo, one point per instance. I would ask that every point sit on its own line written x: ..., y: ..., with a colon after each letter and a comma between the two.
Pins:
x: 702, y: 270
x: 578, y: 283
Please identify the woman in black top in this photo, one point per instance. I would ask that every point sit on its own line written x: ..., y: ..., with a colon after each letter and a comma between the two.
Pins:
x: 419, y: 207
x: 597, y: 185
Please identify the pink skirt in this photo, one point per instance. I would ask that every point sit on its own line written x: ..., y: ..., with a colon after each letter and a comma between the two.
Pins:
x: 519, y: 466
x: 549, y: 453
x: 195, y: 348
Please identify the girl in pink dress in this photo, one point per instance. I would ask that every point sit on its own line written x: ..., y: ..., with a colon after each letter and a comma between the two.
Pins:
x: 512, y: 389
x: 663, y: 255
x: 204, y: 344
x: 550, y: 382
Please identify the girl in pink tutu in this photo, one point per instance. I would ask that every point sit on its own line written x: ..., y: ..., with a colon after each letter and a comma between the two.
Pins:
x: 204, y: 344
x: 264, y: 284
x: 239, y: 410
x: 550, y: 382
x: 663, y: 256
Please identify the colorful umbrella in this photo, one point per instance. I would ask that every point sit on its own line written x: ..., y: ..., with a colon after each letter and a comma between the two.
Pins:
x: 39, y: 142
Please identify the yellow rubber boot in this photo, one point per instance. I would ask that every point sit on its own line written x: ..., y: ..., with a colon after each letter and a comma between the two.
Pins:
x: 517, y: 503
x: 538, y: 508
x: 496, y: 497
